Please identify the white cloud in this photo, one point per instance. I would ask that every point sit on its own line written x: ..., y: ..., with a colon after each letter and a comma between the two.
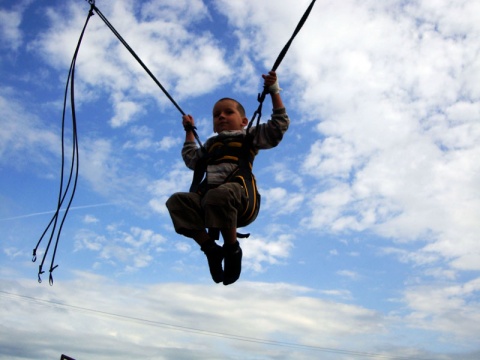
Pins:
x: 99, y: 164
x: 287, y: 314
x: 182, y: 321
x: 124, y: 250
x: 90, y: 219
x: 125, y: 112
x: 178, y: 178
x: 174, y: 11
x: 349, y: 274
x: 24, y: 140
x: 284, y: 174
x: 331, y: 157
x: 280, y: 202
x: 168, y: 142
x: 259, y: 252
x: 433, y: 307
x: 10, y: 33
x: 12, y: 252
x: 398, y: 117
x: 185, y: 61
x: 183, y: 247
x: 142, y: 139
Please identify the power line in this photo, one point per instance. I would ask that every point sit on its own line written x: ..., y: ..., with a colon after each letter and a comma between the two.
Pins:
x: 208, y: 332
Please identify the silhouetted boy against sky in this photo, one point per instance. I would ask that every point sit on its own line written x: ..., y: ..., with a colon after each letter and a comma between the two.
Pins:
x: 221, y: 201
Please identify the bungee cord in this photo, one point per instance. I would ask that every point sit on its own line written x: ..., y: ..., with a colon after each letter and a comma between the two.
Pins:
x: 54, y: 226
x: 261, y: 97
x: 68, y: 186
x: 142, y: 64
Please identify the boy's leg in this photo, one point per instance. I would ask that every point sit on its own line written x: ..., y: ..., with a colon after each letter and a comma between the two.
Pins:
x: 213, y: 252
x: 215, y: 255
x: 233, y: 256
x: 222, y: 206
x: 200, y: 236
x: 229, y: 235
x: 187, y: 217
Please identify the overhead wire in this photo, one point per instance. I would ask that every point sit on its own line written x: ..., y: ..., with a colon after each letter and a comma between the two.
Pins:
x: 205, y: 332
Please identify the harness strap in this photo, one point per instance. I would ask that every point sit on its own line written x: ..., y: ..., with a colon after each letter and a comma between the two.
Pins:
x: 214, y: 234
x: 241, y: 153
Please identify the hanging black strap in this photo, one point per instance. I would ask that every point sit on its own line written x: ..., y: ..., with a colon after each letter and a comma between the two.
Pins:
x: 297, y: 30
x: 261, y: 97
x: 122, y: 40
x: 56, y: 223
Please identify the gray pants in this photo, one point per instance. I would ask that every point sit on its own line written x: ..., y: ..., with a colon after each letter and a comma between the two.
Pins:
x: 219, y: 208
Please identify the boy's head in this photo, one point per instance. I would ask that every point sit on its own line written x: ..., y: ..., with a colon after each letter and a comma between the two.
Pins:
x: 228, y: 114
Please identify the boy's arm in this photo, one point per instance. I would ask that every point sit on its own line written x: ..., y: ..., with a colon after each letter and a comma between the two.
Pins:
x: 272, y: 84
x: 189, y: 149
x: 277, y: 102
x: 269, y: 134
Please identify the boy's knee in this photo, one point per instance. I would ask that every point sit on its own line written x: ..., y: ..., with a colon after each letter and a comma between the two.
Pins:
x: 173, y: 199
x: 180, y: 200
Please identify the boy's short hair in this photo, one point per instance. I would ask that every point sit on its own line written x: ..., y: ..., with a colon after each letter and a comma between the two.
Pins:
x: 240, y: 107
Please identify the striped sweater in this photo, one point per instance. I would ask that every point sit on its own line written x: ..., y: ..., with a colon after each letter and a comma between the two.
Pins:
x: 267, y: 136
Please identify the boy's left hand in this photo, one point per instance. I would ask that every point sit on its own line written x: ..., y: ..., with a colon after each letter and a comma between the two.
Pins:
x: 271, y: 82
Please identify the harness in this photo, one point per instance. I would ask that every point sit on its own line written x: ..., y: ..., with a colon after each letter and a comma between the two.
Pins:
x: 235, y: 149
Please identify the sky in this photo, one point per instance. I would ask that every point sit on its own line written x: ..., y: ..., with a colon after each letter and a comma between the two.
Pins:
x: 366, y: 245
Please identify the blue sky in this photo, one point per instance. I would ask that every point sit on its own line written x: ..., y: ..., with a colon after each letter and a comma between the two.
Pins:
x: 367, y: 243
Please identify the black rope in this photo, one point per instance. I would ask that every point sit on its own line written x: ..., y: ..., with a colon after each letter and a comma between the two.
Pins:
x: 297, y: 30
x: 261, y: 96
x: 122, y: 40
x: 56, y: 224
x: 132, y: 52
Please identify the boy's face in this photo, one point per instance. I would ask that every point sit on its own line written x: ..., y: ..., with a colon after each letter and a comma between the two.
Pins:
x: 226, y: 116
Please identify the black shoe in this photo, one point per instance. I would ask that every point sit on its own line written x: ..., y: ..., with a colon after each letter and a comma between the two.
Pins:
x: 233, y: 263
x: 215, y: 256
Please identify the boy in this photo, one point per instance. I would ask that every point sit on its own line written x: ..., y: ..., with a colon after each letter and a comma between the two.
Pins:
x: 222, y: 200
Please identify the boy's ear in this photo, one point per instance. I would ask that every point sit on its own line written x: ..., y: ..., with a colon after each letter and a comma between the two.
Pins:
x: 244, y: 121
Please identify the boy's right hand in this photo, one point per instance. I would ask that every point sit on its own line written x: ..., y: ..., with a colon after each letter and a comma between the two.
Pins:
x: 188, y: 121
